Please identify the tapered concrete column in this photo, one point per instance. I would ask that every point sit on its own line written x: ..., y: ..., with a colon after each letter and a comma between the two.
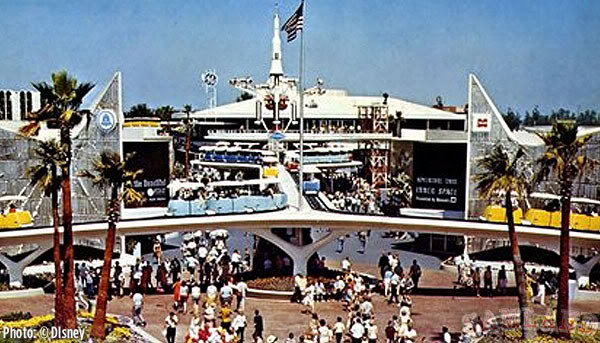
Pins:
x: 299, y: 255
x: 583, y: 270
x: 15, y: 269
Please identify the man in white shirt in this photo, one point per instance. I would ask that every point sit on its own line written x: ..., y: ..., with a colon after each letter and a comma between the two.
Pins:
x: 239, y: 325
x: 446, y: 335
x: 338, y: 329
x: 242, y: 288
x: 171, y: 325
x: 196, y: 294
x: 339, y: 288
x: 325, y: 333
x: 395, y: 283
x: 226, y: 294
x: 371, y: 331
x: 309, y: 299
x: 346, y: 264
x: 184, y: 292
x: 236, y: 262
x: 366, y: 308
x: 410, y: 336
x: 357, y: 331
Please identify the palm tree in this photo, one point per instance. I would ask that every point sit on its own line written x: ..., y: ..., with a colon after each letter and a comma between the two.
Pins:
x: 165, y: 113
x: 501, y: 172
x: 188, y: 139
x: 45, y: 175
x: 565, y: 159
x: 110, y: 171
x: 60, y: 108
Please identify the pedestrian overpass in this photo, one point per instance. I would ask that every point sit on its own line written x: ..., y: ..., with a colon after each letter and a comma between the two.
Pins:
x: 263, y: 224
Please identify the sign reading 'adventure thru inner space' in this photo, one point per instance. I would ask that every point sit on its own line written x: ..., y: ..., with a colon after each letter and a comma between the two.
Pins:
x: 439, y: 172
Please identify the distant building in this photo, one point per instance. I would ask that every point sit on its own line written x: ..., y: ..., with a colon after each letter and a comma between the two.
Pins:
x: 16, y: 105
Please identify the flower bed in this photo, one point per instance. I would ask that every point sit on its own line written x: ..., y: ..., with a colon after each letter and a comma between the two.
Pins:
x: 281, y: 283
x: 117, y: 326
x: 507, y: 329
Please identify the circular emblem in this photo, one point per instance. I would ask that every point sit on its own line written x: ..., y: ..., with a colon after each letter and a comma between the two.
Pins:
x: 106, y: 120
x: 210, y: 78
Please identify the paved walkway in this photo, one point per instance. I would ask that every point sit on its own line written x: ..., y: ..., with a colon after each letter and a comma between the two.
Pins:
x: 430, y: 312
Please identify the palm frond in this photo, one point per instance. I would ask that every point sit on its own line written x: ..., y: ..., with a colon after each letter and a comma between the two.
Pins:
x: 110, y: 171
x: 501, y: 172
x: 80, y: 92
x: 30, y: 129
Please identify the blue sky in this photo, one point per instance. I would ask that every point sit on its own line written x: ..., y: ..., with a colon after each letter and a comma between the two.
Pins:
x: 526, y: 53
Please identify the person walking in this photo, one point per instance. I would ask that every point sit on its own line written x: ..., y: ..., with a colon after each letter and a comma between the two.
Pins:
x: 390, y: 332
x: 171, y: 327
x: 487, y: 281
x: 415, y: 273
x: 395, y: 283
x: 502, y: 280
x: 357, y: 331
x: 138, y: 304
x: 476, y: 276
x: 338, y: 329
x: 242, y: 288
x: 324, y: 332
x: 239, y: 325
x: 259, y: 325
x: 383, y: 264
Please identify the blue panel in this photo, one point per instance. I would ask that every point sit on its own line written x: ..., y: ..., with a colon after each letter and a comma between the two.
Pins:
x: 198, y: 207
x: 280, y: 200
x: 240, y: 204
x: 179, y: 207
x: 312, y: 186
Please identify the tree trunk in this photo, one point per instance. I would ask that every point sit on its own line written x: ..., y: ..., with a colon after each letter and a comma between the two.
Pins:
x: 562, y: 311
x: 527, y: 329
x: 98, y: 330
x: 59, y: 320
x: 69, y: 258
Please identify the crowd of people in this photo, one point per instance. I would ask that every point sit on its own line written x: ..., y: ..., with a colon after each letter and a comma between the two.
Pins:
x: 206, y: 282
x: 204, y: 190
x: 472, y: 277
x: 358, y: 195
x: 332, y: 128
x: 356, y: 293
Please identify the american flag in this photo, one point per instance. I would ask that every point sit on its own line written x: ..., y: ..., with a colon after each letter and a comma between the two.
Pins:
x: 294, y: 23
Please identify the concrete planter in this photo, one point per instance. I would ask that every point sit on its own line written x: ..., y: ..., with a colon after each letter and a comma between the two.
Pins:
x: 22, y: 293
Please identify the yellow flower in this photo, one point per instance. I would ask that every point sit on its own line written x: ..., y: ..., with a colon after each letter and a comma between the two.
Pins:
x: 28, y: 323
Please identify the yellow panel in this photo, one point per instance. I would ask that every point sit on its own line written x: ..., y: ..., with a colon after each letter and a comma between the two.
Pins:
x: 270, y: 172
x: 595, y: 223
x: 538, y: 217
x: 580, y: 221
x: 24, y: 217
x: 555, y: 219
x: 495, y: 214
x: 518, y: 215
x: 10, y: 221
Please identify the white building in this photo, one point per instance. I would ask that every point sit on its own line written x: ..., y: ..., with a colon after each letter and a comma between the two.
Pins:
x: 16, y: 104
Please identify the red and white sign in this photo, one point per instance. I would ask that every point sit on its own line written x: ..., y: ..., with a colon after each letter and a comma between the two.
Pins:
x: 481, y: 122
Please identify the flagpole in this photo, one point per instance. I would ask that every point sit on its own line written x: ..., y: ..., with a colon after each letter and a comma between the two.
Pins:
x: 301, y: 113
